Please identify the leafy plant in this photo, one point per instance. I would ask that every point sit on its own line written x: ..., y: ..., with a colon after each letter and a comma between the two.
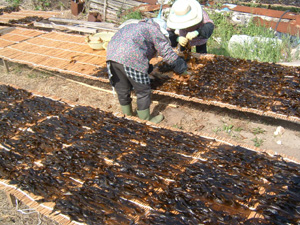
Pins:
x: 216, y: 130
x: 41, y: 4
x: 238, y: 129
x: 257, y: 141
x: 14, y: 2
x: 227, y: 128
x: 178, y: 126
x: 258, y: 130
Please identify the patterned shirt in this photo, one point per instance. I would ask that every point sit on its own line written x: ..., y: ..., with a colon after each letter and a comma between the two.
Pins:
x: 136, y: 44
x: 197, y: 40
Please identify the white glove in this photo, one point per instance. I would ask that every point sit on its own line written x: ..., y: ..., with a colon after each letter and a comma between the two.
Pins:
x: 192, y: 35
x: 182, y: 41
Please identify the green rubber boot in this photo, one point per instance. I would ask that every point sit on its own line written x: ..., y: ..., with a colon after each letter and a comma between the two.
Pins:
x: 127, y: 109
x: 145, y: 115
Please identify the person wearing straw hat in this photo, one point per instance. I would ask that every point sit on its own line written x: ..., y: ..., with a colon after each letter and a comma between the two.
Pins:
x: 193, y: 24
x: 128, y: 54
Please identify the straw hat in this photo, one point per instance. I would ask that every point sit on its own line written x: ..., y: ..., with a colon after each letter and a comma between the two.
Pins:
x: 184, y: 14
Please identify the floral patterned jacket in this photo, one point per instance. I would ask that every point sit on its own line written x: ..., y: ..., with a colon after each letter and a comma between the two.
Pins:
x: 136, y: 44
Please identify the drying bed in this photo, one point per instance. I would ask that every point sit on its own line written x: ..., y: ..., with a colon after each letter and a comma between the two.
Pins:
x: 58, y: 51
x: 7, y: 17
x: 266, y: 89
x: 262, y: 88
x: 17, y: 35
x: 96, y: 168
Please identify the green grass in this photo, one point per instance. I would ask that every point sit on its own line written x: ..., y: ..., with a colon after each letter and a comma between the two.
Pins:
x: 14, y: 2
x: 131, y: 15
x: 263, y: 51
x: 42, y: 4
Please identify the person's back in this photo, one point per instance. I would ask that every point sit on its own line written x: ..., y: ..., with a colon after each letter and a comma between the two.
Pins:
x: 137, y: 43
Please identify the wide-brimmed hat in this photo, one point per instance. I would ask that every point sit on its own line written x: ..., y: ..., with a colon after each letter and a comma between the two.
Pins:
x: 184, y: 14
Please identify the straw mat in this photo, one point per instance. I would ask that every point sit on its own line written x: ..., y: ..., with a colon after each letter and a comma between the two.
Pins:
x: 6, y: 17
x: 57, y: 51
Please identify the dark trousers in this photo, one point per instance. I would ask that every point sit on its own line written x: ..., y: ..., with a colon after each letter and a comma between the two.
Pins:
x: 124, y: 85
x: 199, y: 49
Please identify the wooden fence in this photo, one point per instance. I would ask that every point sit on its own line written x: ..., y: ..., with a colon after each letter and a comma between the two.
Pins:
x: 111, y: 10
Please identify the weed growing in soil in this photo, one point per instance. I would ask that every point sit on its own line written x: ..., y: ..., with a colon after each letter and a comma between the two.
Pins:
x: 132, y: 15
x: 14, y: 3
x: 258, y: 130
x: 257, y: 142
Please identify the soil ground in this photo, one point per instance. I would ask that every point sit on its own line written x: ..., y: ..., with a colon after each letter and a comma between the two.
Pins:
x: 237, y: 127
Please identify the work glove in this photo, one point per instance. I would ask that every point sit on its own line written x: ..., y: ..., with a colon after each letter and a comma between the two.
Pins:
x: 179, y: 65
x: 173, y: 38
x: 192, y: 35
x: 182, y: 41
x: 150, y: 68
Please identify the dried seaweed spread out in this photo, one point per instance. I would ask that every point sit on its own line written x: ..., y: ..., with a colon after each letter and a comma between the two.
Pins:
x: 9, y: 9
x: 243, y: 83
x: 27, y: 20
x: 101, y: 169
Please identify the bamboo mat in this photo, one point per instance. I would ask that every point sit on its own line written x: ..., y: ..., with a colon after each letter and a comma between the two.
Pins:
x: 17, y: 35
x: 6, y: 17
x: 30, y: 200
x: 230, y: 106
x: 57, y: 51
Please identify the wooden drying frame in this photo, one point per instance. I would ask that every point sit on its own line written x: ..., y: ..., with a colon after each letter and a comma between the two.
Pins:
x: 229, y: 106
